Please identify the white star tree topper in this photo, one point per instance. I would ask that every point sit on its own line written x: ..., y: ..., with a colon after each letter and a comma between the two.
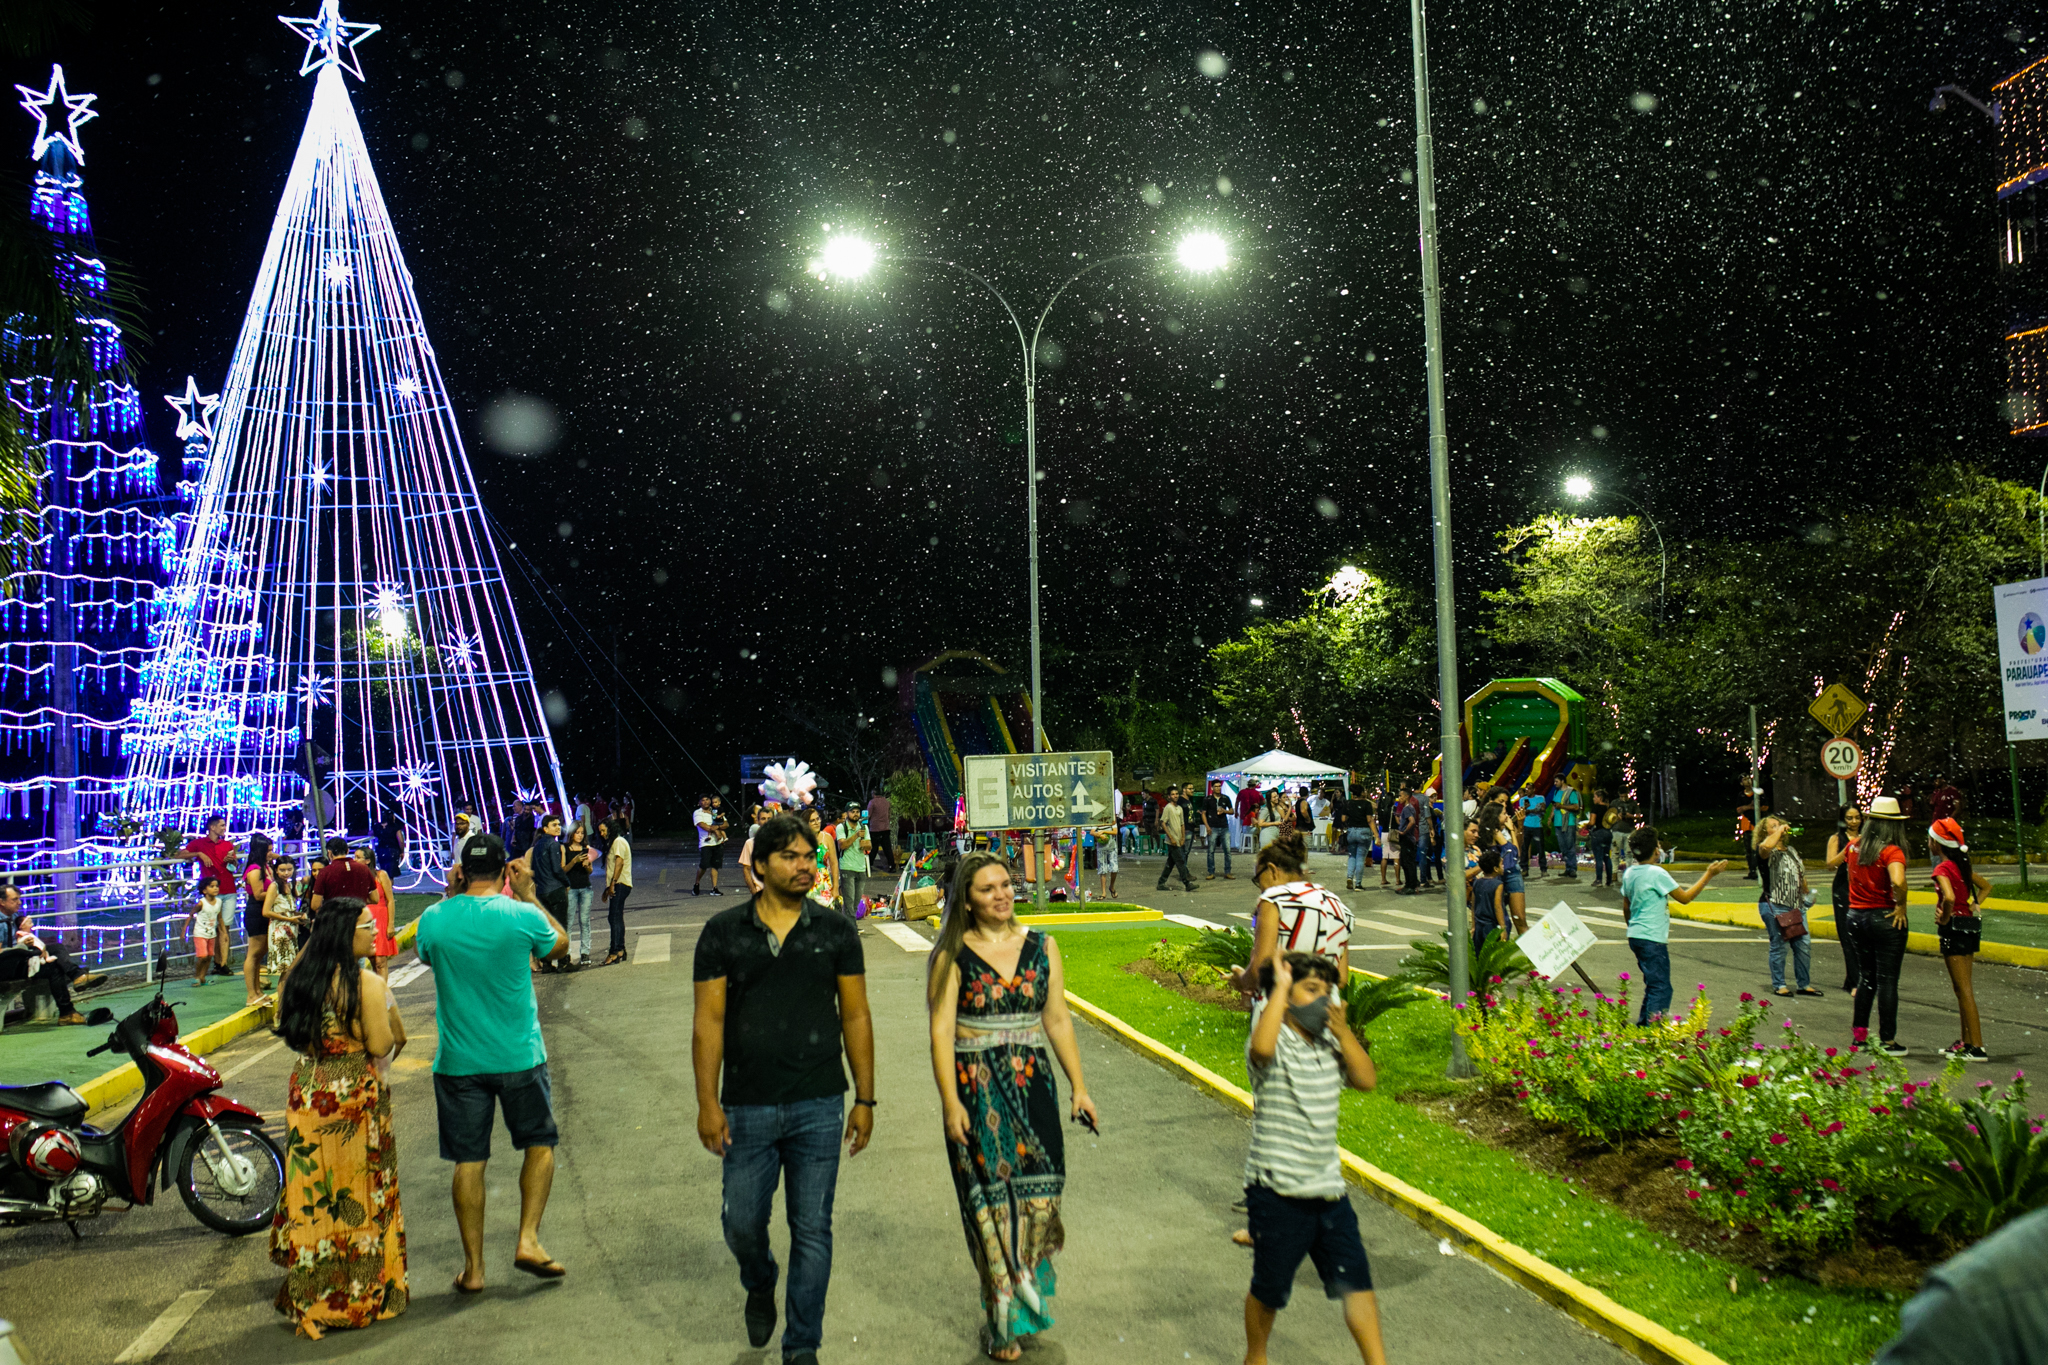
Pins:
x: 76, y: 109
x: 330, y: 39
x: 195, y: 410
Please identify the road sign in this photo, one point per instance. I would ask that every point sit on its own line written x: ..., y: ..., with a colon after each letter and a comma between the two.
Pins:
x: 1039, y: 791
x: 1838, y: 709
x: 1554, y: 942
x: 1841, y: 758
x: 2021, y: 610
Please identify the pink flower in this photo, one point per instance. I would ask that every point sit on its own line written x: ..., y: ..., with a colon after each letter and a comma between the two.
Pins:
x: 1829, y: 1185
x: 1624, y: 976
x: 1751, y: 1079
x: 1756, y: 1161
x: 1832, y: 1129
x: 1778, y: 1139
x: 1683, y: 1164
x: 1831, y: 1052
x: 1747, y: 997
x: 1685, y: 1113
x: 1879, y: 1110
x: 1692, y: 1194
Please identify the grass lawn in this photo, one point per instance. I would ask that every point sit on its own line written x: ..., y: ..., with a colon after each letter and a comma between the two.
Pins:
x: 1765, y: 1323
x: 1078, y: 908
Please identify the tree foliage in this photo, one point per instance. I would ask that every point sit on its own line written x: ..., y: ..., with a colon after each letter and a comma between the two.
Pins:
x: 1348, y: 680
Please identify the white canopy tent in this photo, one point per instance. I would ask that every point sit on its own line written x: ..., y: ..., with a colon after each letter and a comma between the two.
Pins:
x: 1277, y: 765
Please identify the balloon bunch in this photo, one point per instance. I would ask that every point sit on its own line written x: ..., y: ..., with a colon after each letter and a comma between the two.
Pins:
x: 790, y: 784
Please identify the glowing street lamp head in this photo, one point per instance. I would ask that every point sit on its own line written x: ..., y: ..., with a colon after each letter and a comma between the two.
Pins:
x: 1578, y: 486
x: 1203, y: 252
x: 849, y: 257
x: 392, y: 622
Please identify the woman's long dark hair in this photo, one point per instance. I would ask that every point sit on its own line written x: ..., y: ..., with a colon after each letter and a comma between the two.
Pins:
x: 959, y: 918
x: 324, y: 972
x: 259, y: 851
x: 1960, y: 856
x: 1878, y: 833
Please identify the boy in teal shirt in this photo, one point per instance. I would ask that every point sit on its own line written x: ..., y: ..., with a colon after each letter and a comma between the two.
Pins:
x: 1647, y: 891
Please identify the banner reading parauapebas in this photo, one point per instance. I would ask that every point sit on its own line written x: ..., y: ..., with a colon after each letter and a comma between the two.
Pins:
x: 2022, y: 612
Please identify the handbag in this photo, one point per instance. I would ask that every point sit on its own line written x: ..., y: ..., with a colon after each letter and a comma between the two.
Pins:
x: 1791, y: 922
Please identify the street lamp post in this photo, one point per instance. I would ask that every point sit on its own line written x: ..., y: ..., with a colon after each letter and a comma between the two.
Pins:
x: 851, y: 257
x: 1448, y: 710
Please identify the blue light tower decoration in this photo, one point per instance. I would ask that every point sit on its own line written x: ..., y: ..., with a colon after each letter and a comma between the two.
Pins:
x: 84, y: 570
x: 338, y: 632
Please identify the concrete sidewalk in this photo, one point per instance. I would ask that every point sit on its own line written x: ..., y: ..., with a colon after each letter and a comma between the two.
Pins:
x: 1149, y: 1273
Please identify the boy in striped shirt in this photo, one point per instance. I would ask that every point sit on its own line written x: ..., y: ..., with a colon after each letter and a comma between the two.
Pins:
x: 1301, y: 1055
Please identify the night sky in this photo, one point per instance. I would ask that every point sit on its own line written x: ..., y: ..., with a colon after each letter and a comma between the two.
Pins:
x: 1721, y: 255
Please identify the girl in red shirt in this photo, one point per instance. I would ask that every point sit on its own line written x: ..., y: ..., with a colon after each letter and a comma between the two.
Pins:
x: 1877, y: 919
x: 1960, y: 892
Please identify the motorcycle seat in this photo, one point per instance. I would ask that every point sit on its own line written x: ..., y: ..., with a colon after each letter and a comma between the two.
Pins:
x: 52, y: 1100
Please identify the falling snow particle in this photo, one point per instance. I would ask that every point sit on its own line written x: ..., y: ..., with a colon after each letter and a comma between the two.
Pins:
x: 1213, y: 64
x: 1643, y: 102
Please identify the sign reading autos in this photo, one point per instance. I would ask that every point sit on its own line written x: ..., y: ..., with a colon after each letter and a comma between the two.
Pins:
x: 1039, y: 791
x: 2022, y: 610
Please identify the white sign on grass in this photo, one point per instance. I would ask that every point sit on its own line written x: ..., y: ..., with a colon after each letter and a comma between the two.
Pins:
x: 1554, y: 942
x: 2022, y: 613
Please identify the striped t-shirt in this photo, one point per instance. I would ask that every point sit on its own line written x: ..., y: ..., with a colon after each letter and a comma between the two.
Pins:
x: 1294, y: 1116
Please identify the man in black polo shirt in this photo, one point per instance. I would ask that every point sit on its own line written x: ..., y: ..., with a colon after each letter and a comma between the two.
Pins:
x: 1213, y: 809
x: 780, y: 984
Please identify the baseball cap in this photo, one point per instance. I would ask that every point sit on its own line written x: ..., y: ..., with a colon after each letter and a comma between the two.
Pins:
x: 1947, y: 832
x: 484, y: 853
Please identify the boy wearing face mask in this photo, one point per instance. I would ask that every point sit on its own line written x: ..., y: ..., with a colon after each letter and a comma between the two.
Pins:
x: 1301, y: 1055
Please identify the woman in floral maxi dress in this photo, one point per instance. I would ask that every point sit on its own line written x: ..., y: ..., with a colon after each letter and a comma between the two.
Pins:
x: 338, y: 1231
x: 997, y: 1000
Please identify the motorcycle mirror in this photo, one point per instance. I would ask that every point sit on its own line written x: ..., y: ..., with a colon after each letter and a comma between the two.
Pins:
x: 163, y: 967
x: 101, y: 1015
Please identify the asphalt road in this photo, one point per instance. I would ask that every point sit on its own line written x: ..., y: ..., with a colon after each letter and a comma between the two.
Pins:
x: 1149, y: 1273
x: 2011, y: 1001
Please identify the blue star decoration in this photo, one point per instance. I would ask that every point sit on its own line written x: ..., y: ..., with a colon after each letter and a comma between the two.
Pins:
x: 76, y: 109
x: 330, y: 39
x: 195, y: 410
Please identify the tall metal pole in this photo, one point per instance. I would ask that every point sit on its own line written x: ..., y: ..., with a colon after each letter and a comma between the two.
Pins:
x: 1440, y: 512
x: 1038, y: 745
x: 2019, y: 830
x: 1756, y: 779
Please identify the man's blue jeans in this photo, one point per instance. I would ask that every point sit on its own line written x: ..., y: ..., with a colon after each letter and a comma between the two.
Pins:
x: 1359, y: 841
x: 1655, y: 961
x: 1568, y: 848
x: 798, y: 1145
x: 1219, y: 837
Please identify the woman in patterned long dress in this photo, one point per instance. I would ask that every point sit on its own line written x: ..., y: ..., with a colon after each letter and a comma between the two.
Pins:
x: 338, y: 1231
x: 282, y: 918
x: 997, y: 996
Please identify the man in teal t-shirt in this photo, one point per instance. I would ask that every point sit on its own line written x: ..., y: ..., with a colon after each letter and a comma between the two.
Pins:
x: 1647, y: 891
x: 1564, y: 815
x: 491, y: 1056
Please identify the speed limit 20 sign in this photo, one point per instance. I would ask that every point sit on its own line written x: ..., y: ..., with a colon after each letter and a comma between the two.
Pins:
x: 1841, y: 758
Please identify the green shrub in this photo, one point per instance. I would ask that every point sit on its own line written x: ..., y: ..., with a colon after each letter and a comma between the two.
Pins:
x: 1367, y: 998
x: 1576, y: 1058
x: 1975, y: 1163
x: 1495, y: 963
x: 1179, y: 959
x: 1800, y: 1143
x: 1226, y: 949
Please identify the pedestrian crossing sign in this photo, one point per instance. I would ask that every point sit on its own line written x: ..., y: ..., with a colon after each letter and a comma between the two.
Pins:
x: 1838, y: 709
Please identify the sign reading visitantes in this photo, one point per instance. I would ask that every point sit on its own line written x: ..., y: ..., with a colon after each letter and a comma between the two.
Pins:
x: 1039, y: 791
x: 2022, y: 613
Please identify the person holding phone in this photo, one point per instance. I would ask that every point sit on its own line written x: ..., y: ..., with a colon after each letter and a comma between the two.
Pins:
x: 997, y: 997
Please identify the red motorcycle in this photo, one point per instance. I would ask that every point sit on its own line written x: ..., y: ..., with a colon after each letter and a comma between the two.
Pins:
x: 55, y: 1167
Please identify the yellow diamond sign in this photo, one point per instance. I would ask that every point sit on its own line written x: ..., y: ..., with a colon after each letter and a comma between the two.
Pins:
x: 1838, y: 709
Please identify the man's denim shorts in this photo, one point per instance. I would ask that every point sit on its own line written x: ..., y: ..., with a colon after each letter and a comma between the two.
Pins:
x: 465, y: 1104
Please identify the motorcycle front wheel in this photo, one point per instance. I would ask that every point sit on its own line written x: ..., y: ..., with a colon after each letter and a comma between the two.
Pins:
x: 232, y: 1184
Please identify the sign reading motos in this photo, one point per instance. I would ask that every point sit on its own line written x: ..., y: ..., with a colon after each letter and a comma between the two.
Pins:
x: 1039, y: 791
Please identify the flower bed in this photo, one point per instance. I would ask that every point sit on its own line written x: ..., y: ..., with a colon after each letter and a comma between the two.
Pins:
x: 1812, y: 1146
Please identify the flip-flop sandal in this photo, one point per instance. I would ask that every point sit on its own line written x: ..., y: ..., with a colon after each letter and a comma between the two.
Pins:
x: 462, y: 1288
x: 546, y: 1270
x: 1782, y: 990
x: 1809, y: 990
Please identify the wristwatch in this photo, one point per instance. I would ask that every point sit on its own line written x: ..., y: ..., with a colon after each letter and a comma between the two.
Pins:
x: 869, y: 1103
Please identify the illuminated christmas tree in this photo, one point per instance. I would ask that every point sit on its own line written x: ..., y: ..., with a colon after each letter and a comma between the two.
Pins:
x: 338, y: 606
x: 84, y: 568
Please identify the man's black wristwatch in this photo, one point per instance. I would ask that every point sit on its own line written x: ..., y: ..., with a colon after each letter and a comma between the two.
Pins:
x: 869, y: 1103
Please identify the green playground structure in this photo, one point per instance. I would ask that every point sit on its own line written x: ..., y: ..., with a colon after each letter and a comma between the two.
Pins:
x: 1522, y: 734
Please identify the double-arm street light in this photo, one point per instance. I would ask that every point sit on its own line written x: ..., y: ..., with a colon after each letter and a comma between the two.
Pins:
x: 1579, y: 488
x: 849, y: 257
